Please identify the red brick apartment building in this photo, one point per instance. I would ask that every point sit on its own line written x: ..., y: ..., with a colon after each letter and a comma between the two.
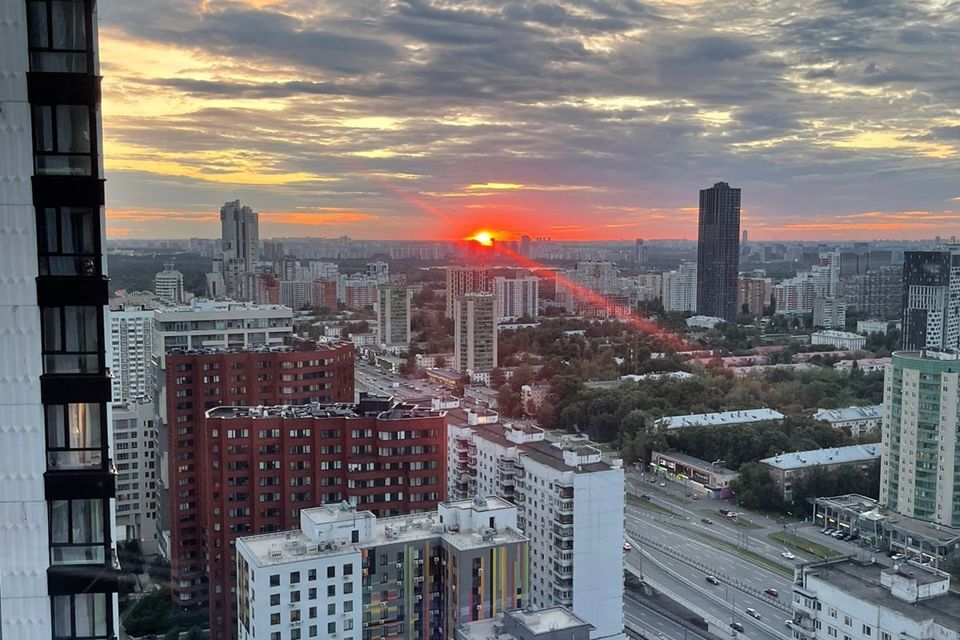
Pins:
x: 299, y: 443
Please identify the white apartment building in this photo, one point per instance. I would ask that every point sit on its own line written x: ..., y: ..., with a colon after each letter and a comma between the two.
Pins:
x: 858, y: 420
x: 570, y: 505
x: 839, y: 339
x: 131, y: 348
x: 347, y: 574
x: 168, y: 285
x: 680, y: 288
x: 852, y: 600
x: 474, y: 333
x: 220, y: 324
x: 462, y: 280
x: 516, y: 297
x: 325, y: 270
x: 135, y: 442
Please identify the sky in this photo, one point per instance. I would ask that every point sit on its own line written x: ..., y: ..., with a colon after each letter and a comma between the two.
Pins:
x: 579, y: 119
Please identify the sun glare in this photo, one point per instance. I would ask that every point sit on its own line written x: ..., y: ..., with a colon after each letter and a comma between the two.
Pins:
x: 483, y: 237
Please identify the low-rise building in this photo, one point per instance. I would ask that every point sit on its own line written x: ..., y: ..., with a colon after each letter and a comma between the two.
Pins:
x: 788, y: 468
x: 848, y: 598
x: 867, y: 327
x: 839, y: 339
x: 881, y: 530
x: 346, y: 573
x: 433, y: 360
x: 867, y: 365
x: 706, y: 477
x: 703, y: 322
x: 858, y: 421
x: 720, y: 419
x: 553, y: 623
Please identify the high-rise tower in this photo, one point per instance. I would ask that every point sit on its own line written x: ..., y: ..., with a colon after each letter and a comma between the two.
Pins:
x: 931, y: 299
x: 58, y: 570
x: 240, y: 236
x: 718, y: 252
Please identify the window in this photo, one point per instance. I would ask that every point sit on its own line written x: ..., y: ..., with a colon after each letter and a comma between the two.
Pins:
x: 274, y: 599
x: 80, y: 617
x: 71, y: 339
x: 58, y: 36
x: 69, y: 238
x: 332, y: 609
x: 331, y: 627
x: 331, y: 572
x: 294, y: 577
x: 347, y: 588
x: 76, y: 532
x: 62, y: 139
x: 274, y: 618
x: 73, y: 436
x: 275, y: 580
x: 312, y: 574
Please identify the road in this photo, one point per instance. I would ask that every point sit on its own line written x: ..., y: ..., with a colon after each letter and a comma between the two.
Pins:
x: 653, y: 624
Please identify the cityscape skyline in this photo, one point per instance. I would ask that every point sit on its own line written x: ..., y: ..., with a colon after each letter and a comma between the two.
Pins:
x: 430, y: 120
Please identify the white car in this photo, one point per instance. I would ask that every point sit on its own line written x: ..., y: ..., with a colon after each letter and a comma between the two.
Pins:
x: 788, y: 555
x: 627, y: 546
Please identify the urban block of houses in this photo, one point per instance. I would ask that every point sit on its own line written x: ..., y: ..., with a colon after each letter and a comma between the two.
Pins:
x: 720, y: 419
x: 858, y: 420
x: 787, y: 468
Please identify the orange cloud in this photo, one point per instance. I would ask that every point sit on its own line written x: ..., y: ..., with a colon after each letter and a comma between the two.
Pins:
x: 319, y: 217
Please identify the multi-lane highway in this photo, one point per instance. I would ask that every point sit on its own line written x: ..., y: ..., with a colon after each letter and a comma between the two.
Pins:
x: 653, y: 624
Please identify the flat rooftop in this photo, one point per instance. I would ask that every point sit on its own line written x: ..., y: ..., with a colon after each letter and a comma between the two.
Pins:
x: 321, y: 410
x: 863, y: 582
x: 696, y: 463
x: 542, y: 451
x: 282, y: 547
x: 547, y: 620
x: 818, y: 457
x: 869, y: 412
x: 721, y: 418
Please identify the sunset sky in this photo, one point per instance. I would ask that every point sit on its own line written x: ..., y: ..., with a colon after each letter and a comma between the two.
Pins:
x: 583, y: 119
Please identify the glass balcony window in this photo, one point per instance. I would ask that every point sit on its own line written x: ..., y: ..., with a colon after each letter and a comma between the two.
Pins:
x: 71, y: 339
x: 74, y: 436
x: 77, y: 532
x: 80, y: 617
x: 69, y: 241
x: 62, y: 136
x: 58, y: 36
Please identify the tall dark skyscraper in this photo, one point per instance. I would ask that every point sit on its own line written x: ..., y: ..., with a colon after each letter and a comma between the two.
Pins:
x: 718, y: 252
x: 931, y: 299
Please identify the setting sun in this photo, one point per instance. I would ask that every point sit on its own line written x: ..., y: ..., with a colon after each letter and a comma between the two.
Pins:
x: 483, y: 237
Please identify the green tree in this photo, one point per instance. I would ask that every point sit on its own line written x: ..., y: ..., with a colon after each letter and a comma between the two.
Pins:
x: 173, y: 634
x: 195, y: 634
x: 754, y: 489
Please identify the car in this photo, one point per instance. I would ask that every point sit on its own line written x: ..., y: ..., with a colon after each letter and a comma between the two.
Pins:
x: 788, y: 555
x: 713, y: 580
x: 663, y: 484
x: 752, y: 613
x: 773, y: 593
x: 653, y: 480
x: 897, y: 557
x: 696, y: 496
x: 627, y: 546
x: 788, y: 624
x: 644, y: 496
x: 736, y: 626
x: 706, y: 520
